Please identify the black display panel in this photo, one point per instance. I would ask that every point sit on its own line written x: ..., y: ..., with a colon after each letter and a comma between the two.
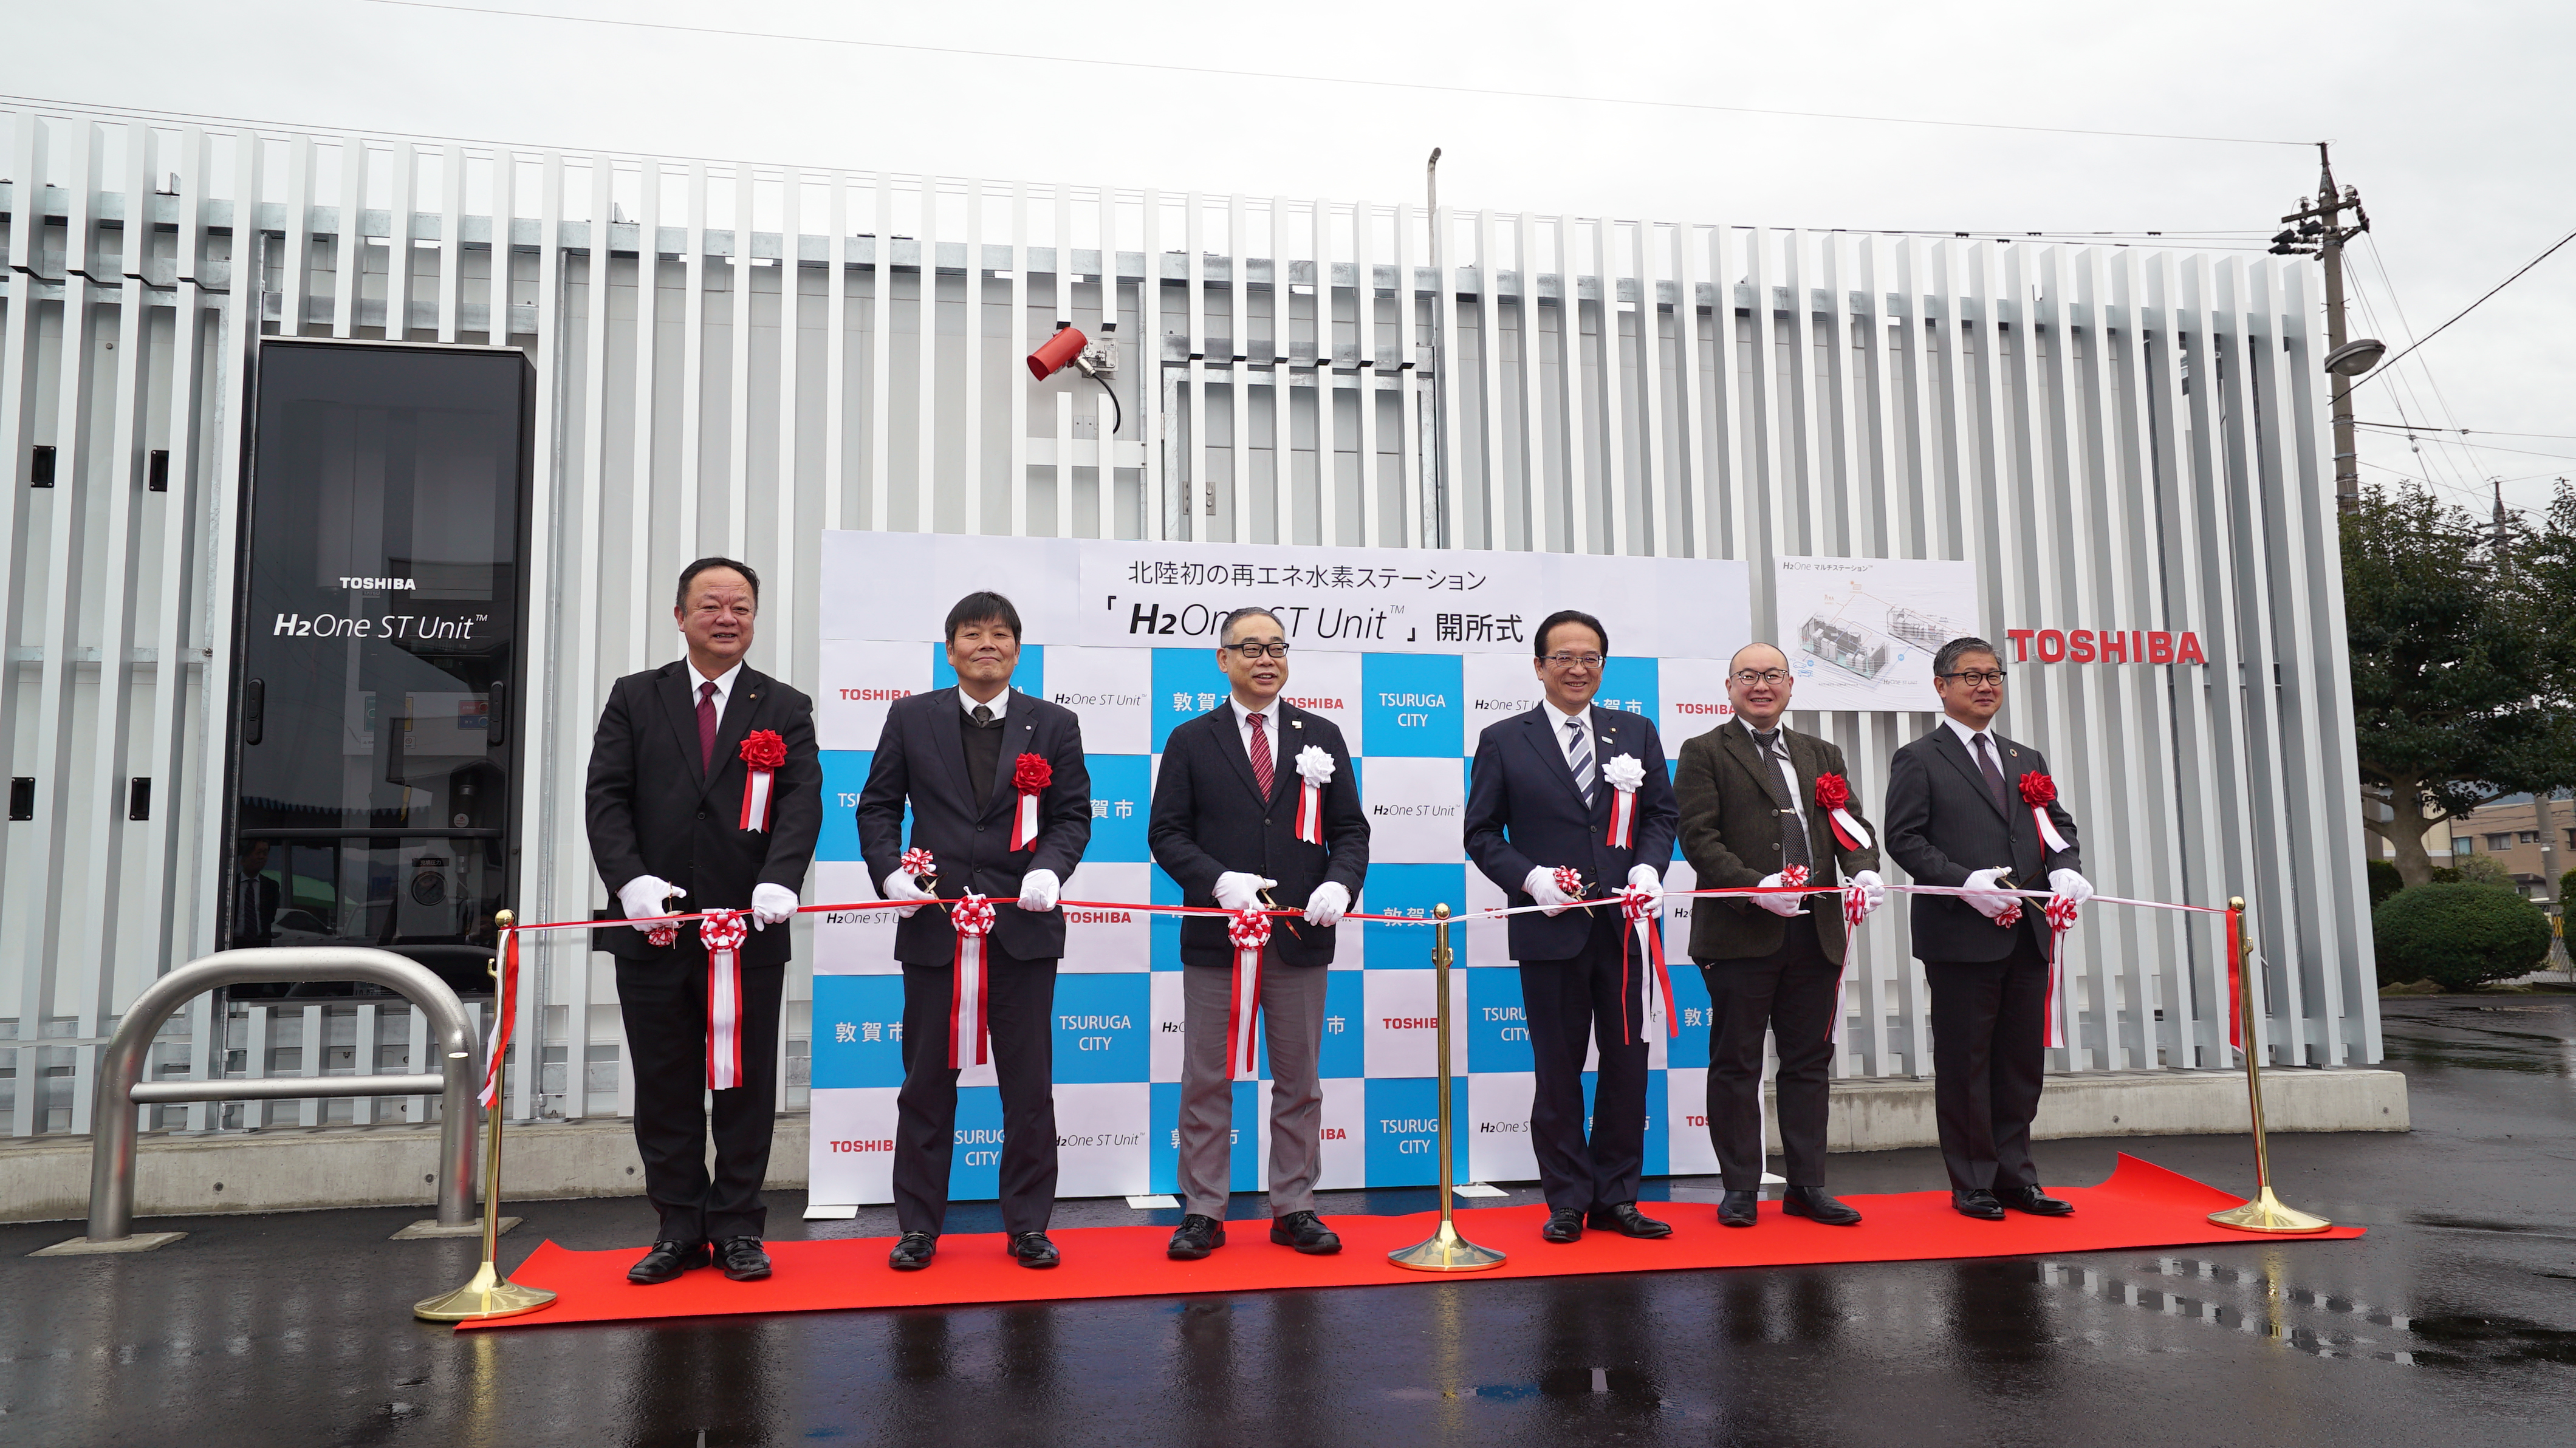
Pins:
x: 373, y: 722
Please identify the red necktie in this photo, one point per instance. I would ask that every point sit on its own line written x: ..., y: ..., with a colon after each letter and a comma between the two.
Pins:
x: 706, y: 727
x: 1260, y: 755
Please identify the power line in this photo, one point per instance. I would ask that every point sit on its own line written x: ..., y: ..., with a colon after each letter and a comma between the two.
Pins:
x: 1414, y: 85
x: 2464, y: 311
x: 2477, y: 431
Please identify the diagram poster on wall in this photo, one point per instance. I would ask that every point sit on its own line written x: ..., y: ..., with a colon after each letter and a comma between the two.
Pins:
x: 1861, y: 632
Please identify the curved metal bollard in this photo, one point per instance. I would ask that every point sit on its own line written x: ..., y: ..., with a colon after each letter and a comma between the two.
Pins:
x: 121, y: 1086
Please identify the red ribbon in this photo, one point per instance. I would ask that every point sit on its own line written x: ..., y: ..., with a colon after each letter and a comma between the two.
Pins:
x: 1249, y: 930
x: 722, y: 932
x: 2060, y: 915
x: 1030, y: 776
x: 969, y: 1041
x: 2235, y: 985
x: 1310, y: 812
x: 1655, y: 985
x: 1623, y: 819
x: 505, y: 1019
x: 763, y: 751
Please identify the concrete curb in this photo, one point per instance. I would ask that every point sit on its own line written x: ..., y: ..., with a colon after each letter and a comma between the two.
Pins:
x: 45, y: 1179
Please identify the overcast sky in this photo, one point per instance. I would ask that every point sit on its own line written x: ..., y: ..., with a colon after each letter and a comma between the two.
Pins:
x: 2452, y: 119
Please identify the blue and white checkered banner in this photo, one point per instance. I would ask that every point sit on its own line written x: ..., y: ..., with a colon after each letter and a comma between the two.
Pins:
x: 1412, y: 653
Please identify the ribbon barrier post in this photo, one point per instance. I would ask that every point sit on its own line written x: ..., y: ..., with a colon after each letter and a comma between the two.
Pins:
x: 490, y: 1294
x: 1444, y: 1250
x: 2265, y: 1212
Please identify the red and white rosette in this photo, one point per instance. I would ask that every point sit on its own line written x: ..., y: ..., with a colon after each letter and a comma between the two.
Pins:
x: 2060, y: 915
x: 1314, y: 771
x: 968, y: 1040
x: 763, y: 752
x: 722, y: 932
x: 1637, y: 908
x: 1623, y: 773
x: 1569, y: 881
x: 916, y: 863
x: 1833, y: 795
x: 1249, y: 931
x: 2039, y: 792
x: 505, y: 1019
x: 1029, y: 776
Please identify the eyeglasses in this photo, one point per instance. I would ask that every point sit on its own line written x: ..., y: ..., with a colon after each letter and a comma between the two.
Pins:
x: 1750, y: 677
x: 1978, y: 678
x: 1573, y: 661
x: 1259, y: 651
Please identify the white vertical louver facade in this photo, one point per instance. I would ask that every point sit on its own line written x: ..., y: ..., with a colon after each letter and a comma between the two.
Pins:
x: 733, y: 357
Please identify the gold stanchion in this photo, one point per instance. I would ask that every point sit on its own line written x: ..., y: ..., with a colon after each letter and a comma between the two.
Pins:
x: 490, y: 1294
x: 1444, y: 1250
x: 2265, y: 1212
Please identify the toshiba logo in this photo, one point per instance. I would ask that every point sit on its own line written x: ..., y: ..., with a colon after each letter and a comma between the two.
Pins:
x: 1696, y: 707
x: 1099, y: 917
x: 849, y: 1146
x: 1315, y: 701
x: 2105, y: 646
x: 875, y: 696
x: 1409, y: 1023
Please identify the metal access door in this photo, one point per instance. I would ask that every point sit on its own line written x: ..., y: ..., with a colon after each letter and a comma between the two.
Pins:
x: 372, y: 739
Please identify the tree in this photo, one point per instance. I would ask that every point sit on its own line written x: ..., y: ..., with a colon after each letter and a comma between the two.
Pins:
x: 2463, y: 667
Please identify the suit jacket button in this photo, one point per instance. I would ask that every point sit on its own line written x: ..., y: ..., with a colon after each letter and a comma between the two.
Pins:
x: 702, y: 814
x: 979, y: 829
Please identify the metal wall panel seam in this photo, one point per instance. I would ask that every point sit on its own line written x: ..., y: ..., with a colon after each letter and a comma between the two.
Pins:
x: 21, y: 365
x: 1610, y: 394
x: 1328, y: 440
x: 1733, y: 456
x: 1656, y: 504
x: 1154, y: 518
x: 693, y: 372
x: 29, y: 154
x: 1372, y: 499
x: 1495, y: 533
x: 1535, y: 520
x: 349, y: 245
x: 880, y: 483
x: 1692, y: 474
x: 840, y: 504
x: 1238, y: 363
x: 295, y: 282
x: 398, y: 247
x: 1406, y: 493
x: 1137, y: 361
x: 925, y: 451
x: 546, y: 524
x: 451, y: 239
x: 1015, y: 336
x: 1444, y: 514
x: 640, y: 511
x: 734, y: 534
x: 94, y: 951
x: 979, y: 510
x: 787, y: 553
x: 1774, y: 409
x: 1283, y: 411
x: 1198, y: 507
x: 1807, y: 392
x: 65, y: 554
x: 585, y: 546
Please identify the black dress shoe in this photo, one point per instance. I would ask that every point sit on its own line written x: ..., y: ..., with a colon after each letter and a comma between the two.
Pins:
x: 2036, y: 1202
x: 1197, y: 1237
x: 913, y: 1251
x: 1034, y: 1250
x: 1307, y: 1233
x: 667, y: 1261
x: 1980, y: 1204
x: 1739, y: 1209
x: 1627, y: 1221
x: 1813, y: 1204
x: 1564, y: 1224
x: 744, y: 1259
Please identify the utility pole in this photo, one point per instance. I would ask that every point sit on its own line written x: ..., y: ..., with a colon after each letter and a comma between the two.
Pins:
x: 2317, y: 229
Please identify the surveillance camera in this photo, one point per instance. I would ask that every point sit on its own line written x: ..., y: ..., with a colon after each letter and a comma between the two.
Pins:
x: 1065, y: 346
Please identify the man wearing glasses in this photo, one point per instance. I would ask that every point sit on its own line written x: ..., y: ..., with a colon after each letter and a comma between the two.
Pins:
x: 1545, y: 813
x: 1955, y: 817
x: 1224, y: 825
x: 1750, y: 816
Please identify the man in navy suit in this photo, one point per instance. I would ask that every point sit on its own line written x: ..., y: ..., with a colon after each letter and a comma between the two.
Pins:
x: 665, y: 813
x: 1955, y: 816
x: 1224, y: 826
x: 1542, y: 798
x: 956, y: 757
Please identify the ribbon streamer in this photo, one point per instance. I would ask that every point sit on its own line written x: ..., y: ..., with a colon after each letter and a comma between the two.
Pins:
x: 1833, y: 794
x: 1249, y: 931
x: 1030, y: 776
x: 722, y: 932
x: 762, y: 753
x: 1314, y: 771
x: 2060, y: 915
x: 1623, y: 774
x: 969, y: 1042
x: 505, y: 1019
x: 1655, y: 982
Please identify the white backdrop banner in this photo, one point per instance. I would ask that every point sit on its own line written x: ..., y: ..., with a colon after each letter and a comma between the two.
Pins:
x: 1861, y: 632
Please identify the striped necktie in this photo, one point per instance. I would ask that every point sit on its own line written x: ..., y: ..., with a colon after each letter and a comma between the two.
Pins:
x: 1578, y: 753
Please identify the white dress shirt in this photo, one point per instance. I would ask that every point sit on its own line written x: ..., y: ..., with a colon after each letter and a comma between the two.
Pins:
x: 723, y: 683
x: 1968, y: 739
x: 1558, y: 719
x: 1269, y: 725
x: 1000, y: 704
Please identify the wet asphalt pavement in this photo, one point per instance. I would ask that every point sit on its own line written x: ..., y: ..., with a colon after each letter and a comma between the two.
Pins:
x: 2454, y: 1321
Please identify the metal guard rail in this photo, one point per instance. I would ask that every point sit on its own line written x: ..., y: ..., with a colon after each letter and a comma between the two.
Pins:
x: 121, y: 1086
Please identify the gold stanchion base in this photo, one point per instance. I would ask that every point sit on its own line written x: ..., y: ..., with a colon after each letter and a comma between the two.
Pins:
x: 2266, y: 1214
x: 489, y: 1295
x: 1446, y: 1251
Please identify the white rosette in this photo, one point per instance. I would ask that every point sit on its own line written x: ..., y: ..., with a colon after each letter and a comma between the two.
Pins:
x: 1314, y: 770
x: 1623, y: 773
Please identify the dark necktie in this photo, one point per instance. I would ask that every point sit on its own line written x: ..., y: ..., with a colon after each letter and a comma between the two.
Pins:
x: 1260, y: 755
x: 1793, y: 830
x: 983, y: 716
x: 1994, y: 776
x: 706, y: 727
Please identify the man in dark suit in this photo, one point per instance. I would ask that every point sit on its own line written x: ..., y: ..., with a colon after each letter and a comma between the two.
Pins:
x: 1224, y: 826
x: 1542, y: 797
x: 1749, y: 812
x: 956, y: 756
x: 1955, y: 817
x: 670, y: 815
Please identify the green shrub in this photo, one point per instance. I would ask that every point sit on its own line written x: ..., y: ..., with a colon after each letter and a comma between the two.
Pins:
x: 2566, y: 886
x: 2458, y: 936
x: 2445, y: 875
x: 2483, y: 870
x: 2385, y: 881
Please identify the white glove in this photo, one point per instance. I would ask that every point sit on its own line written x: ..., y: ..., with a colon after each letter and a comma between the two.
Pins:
x: 647, y: 895
x: 1644, y: 876
x: 1238, y: 891
x: 901, y: 886
x: 2071, y: 885
x: 771, y: 905
x: 1038, y: 889
x: 1328, y: 904
x: 1985, y: 898
x: 1873, y: 892
x: 1785, y: 906
x: 1541, y: 888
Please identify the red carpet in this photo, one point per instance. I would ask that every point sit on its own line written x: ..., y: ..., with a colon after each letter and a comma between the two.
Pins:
x: 2142, y: 1205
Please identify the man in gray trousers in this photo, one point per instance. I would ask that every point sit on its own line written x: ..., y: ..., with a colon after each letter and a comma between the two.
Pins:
x: 1224, y: 825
